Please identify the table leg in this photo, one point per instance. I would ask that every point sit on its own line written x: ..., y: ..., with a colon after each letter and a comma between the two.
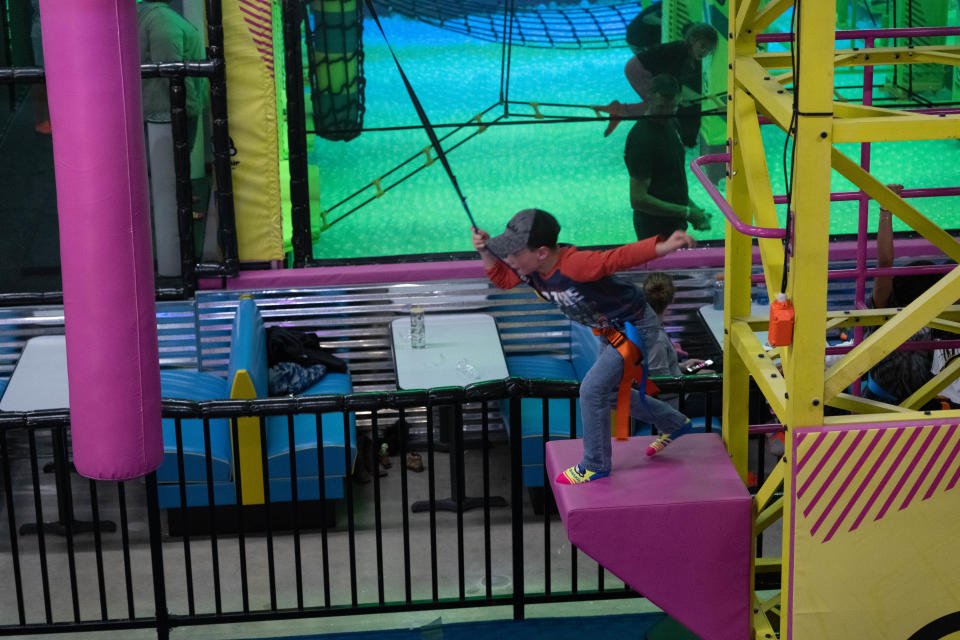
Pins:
x: 61, y: 470
x: 457, y: 500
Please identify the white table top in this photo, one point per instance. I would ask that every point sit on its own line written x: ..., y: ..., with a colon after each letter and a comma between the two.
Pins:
x: 39, y: 380
x: 714, y: 319
x: 461, y: 349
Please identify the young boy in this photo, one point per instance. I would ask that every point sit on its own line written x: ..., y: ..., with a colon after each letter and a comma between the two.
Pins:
x: 582, y: 285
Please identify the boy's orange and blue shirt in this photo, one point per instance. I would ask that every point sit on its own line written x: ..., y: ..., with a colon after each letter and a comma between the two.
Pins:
x: 582, y: 284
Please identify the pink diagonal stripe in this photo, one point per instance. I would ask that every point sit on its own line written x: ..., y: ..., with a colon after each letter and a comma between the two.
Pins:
x: 255, y: 20
x: 906, y: 474
x: 877, y: 437
x: 813, y: 447
x: 953, y: 480
x: 836, y: 468
x: 893, y: 467
x: 943, y: 470
x: 265, y: 42
x: 823, y: 461
x: 258, y: 7
x: 257, y: 31
x: 933, y: 460
x: 843, y: 486
x: 267, y: 52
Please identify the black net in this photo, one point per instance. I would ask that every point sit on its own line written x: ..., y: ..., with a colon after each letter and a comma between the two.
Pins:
x: 335, y: 51
x: 572, y: 26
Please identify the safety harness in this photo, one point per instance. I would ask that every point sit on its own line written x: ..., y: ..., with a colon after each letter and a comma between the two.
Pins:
x: 628, y: 344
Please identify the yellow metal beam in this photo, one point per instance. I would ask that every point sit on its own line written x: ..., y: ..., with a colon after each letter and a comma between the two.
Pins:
x: 762, y: 629
x: 892, y: 334
x: 807, y: 282
x: 757, y: 179
x: 746, y: 13
x: 861, y: 405
x: 941, y: 57
x: 834, y: 323
x: 737, y: 266
x: 896, y: 205
x: 906, y: 127
x: 764, y: 372
x: 851, y: 110
x: 736, y: 381
x: 768, y: 565
x: 934, y: 386
x: 768, y: 516
x: 770, y: 96
x: 872, y: 57
x: 870, y: 318
x: 945, y: 325
x: 766, y: 16
x: 770, y: 485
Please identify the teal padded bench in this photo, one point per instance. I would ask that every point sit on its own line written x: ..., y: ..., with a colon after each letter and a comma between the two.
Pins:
x: 247, y: 378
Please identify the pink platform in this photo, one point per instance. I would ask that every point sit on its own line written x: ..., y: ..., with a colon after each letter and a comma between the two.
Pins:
x: 675, y: 527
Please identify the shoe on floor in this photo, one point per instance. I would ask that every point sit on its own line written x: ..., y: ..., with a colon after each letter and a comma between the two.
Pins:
x: 578, y: 475
x: 661, y: 443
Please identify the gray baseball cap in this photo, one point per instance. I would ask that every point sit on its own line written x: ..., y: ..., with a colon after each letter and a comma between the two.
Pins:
x: 528, y: 228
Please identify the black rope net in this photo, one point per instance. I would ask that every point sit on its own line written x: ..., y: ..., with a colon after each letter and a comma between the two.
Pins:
x: 334, y: 31
x: 587, y: 25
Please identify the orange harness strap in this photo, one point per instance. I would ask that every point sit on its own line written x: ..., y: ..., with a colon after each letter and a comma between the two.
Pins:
x: 632, y: 370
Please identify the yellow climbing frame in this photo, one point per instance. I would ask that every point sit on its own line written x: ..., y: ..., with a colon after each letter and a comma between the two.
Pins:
x: 762, y: 84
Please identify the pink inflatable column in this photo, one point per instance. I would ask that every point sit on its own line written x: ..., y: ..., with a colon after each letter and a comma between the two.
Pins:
x: 93, y: 85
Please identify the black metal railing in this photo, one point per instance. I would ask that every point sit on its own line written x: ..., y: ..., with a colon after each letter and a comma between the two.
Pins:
x: 369, y: 551
x: 214, y: 69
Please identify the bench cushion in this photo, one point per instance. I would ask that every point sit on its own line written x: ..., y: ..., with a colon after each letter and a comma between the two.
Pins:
x: 197, y: 386
x: 305, y: 436
x: 531, y: 412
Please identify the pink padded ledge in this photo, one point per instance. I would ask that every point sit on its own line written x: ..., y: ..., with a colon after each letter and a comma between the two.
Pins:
x: 675, y: 527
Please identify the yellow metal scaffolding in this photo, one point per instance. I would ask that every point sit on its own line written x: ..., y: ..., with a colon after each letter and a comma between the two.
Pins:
x: 797, y: 388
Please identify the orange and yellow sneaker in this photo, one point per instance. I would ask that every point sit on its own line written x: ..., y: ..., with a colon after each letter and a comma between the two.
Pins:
x: 578, y: 475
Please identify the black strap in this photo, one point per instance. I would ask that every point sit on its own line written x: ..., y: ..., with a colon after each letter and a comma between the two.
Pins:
x: 423, y: 117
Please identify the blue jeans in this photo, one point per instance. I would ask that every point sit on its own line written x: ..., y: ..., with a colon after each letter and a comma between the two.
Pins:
x: 598, y: 396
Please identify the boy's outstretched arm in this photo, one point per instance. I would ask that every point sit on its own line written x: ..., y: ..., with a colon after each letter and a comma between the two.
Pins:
x: 677, y: 240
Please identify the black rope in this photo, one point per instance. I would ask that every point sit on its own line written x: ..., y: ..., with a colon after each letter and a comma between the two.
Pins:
x: 423, y: 117
x: 394, y: 184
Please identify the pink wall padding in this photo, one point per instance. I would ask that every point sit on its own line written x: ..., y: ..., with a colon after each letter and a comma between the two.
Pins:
x: 93, y: 86
x: 675, y: 527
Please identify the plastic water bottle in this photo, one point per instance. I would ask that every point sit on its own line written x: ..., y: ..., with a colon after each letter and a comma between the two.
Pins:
x: 418, y: 328
x: 718, y: 292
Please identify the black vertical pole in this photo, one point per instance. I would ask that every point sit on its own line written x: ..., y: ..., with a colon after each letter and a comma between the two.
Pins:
x: 184, y: 189
x: 516, y: 504
x: 156, y: 558
x: 301, y: 239
x: 7, y: 50
x: 222, y: 146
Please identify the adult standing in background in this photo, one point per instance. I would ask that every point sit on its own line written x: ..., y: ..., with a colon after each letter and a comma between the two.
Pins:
x: 166, y: 36
x: 682, y: 60
x: 654, y: 157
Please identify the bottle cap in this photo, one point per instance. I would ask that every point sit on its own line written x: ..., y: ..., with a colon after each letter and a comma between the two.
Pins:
x: 719, y: 276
